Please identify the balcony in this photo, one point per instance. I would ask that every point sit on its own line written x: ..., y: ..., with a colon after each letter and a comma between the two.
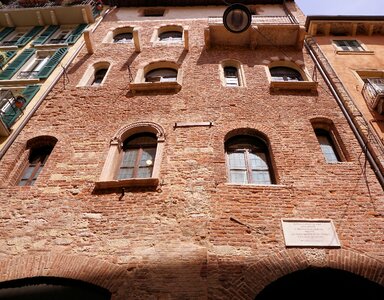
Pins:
x: 10, y: 108
x: 281, y: 30
x: 373, y: 92
x: 43, y: 12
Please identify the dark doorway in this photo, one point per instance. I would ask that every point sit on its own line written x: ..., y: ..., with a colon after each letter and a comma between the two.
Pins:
x: 51, y: 288
x: 322, y: 283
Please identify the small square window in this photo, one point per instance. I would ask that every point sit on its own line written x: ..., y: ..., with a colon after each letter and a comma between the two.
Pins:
x: 349, y: 45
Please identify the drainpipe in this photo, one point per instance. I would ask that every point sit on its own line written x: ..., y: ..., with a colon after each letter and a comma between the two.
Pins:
x: 363, y: 145
x: 17, y: 131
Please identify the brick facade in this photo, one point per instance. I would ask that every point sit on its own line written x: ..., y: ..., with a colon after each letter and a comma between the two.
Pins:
x: 182, y: 241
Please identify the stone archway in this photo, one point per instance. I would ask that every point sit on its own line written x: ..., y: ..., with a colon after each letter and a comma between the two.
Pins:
x: 322, y: 283
x: 75, y: 267
x: 258, y: 274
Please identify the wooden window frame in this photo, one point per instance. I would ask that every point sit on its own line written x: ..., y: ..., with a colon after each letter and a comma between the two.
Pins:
x: 255, y: 145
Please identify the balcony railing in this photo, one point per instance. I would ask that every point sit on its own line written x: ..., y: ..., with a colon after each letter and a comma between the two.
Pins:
x: 10, y: 107
x: 373, y: 92
x: 258, y: 19
x: 27, y: 74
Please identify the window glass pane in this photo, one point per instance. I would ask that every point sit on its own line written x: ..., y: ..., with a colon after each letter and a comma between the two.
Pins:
x: 171, y: 36
x: 258, y: 161
x: 129, y: 158
x: 236, y: 176
x: 261, y: 177
x: 231, y: 76
x: 37, y: 159
x: 236, y: 160
x: 165, y: 74
x: 125, y: 173
x: 28, y: 172
x: 122, y: 38
x: 285, y: 74
x: 248, y: 161
x: 144, y: 172
x: 147, y: 157
x: 327, y: 148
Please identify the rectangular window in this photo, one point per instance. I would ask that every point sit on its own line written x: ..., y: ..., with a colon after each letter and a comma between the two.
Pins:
x: 33, y: 66
x: 349, y: 45
x: 12, y: 39
x: 327, y: 146
x: 60, y: 37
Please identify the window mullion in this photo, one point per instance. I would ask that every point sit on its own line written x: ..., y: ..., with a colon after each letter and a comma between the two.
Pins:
x: 137, y: 162
x: 248, y: 166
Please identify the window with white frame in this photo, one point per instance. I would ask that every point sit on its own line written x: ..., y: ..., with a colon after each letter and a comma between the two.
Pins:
x: 231, y: 76
x: 99, y: 76
x: 60, y: 36
x: 34, y: 65
x: 285, y: 74
x: 349, y: 45
x: 12, y: 38
x: 123, y: 38
x: 171, y: 36
x: 161, y: 75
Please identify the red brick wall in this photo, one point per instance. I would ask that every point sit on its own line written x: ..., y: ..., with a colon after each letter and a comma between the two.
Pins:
x: 179, y: 242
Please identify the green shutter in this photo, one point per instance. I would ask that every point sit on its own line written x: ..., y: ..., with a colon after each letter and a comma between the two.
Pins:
x: 8, y: 56
x: 5, y: 32
x: 75, y: 34
x: 28, y: 36
x: 14, y: 66
x: 52, y: 63
x: 10, y: 115
x: 29, y: 92
x: 42, y: 38
x: 12, y: 112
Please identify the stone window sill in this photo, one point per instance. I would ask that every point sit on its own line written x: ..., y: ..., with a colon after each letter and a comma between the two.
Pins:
x: 294, y: 85
x: 344, y: 52
x: 154, y: 86
x: 126, y: 183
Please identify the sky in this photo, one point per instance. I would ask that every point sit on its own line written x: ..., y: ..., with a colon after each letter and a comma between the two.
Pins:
x: 341, y: 7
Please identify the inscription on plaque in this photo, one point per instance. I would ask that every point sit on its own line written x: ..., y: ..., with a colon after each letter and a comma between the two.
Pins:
x: 309, y: 233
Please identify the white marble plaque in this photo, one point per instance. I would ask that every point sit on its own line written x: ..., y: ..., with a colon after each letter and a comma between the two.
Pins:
x: 309, y: 233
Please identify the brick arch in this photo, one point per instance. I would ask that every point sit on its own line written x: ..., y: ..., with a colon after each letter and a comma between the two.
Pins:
x: 259, y: 274
x: 78, y: 267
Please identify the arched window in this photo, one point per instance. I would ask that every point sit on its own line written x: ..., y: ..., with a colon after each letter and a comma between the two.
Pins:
x: 171, y: 36
x: 39, y: 150
x: 248, y: 160
x: 327, y: 146
x: 139, y: 151
x: 285, y: 74
x: 99, y: 76
x: 122, y: 38
x: 161, y: 75
x: 231, y: 76
x: 134, y: 157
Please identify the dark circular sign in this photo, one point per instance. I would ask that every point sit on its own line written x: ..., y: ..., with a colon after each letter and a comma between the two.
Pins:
x: 237, y: 18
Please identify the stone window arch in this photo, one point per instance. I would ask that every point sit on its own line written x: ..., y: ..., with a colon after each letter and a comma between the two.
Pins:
x: 248, y: 158
x: 134, y: 157
x: 285, y: 74
x: 232, y: 73
x: 96, y: 74
x: 160, y: 75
